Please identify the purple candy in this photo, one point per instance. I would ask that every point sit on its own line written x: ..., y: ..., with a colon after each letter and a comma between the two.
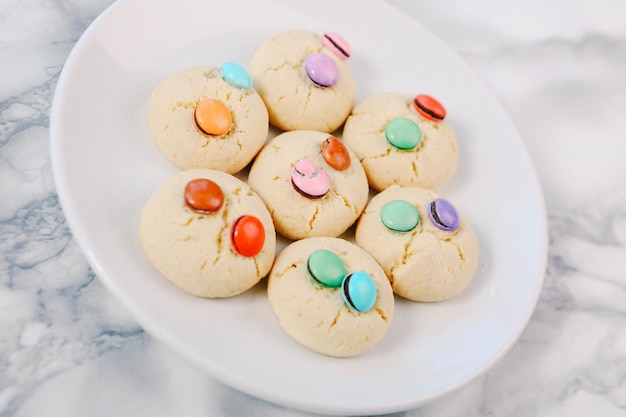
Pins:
x: 443, y: 215
x: 321, y: 70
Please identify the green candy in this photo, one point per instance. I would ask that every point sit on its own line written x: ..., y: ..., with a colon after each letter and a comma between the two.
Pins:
x: 399, y: 216
x: 403, y: 133
x: 325, y: 268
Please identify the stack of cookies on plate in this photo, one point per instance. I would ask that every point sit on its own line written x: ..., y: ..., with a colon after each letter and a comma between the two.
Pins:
x: 338, y: 208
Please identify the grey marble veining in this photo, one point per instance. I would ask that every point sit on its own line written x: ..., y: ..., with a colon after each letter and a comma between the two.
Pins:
x: 68, y: 348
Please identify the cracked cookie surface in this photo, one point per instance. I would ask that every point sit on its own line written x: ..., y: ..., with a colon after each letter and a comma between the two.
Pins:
x: 296, y: 216
x: 193, y: 250
x: 426, y: 263
x: 316, y: 316
x: 173, y: 128
x: 429, y: 165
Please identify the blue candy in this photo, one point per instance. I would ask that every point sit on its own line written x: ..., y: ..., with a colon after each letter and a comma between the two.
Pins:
x: 236, y: 76
x: 359, y: 291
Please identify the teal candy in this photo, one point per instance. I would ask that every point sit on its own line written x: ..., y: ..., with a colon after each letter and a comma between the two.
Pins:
x: 403, y: 133
x: 326, y: 268
x: 399, y: 216
x: 359, y: 291
x: 236, y: 76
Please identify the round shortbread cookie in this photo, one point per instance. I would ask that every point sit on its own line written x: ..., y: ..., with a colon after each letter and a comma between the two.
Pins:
x: 430, y: 164
x: 293, y: 101
x: 317, y: 316
x: 196, y: 250
x: 295, y: 215
x: 172, y: 121
x: 424, y: 263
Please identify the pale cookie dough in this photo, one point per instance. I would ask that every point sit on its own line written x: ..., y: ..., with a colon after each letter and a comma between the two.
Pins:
x: 296, y: 216
x: 317, y: 317
x: 429, y: 165
x: 174, y: 130
x: 423, y: 264
x: 293, y: 101
x: 194, y: 250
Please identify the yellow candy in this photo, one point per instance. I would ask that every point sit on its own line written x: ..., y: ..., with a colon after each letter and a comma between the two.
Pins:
x: 213, y: 117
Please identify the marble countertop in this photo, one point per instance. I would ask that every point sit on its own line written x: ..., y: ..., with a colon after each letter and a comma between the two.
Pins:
x: 68, y: 347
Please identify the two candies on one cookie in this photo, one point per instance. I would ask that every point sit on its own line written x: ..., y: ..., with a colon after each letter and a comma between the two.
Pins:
x: 427, y: 249
x: 330, y: 296
x: 403, y: 140
x: 208, y: 117
x: 208, y: 233
x: 312, y: 183
x: 305, y: 80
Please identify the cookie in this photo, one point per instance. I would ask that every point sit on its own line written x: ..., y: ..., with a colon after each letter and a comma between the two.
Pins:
x: 305, y: 80
x: 403, y: 140
x: 208, y: 233
x: 312, y: 184
x: 208, y: 117
x: 331, y: 296
x: 427, y: 249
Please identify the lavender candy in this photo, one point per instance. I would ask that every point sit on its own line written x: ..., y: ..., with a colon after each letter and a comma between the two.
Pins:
x: 443, y: 215
x: 321, y: 70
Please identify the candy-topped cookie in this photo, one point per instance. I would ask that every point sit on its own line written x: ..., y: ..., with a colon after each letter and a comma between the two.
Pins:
x: 305, y: 80
x: 208, y: 233
x: 208, y: 117
x: 330, y: 296
x: 428, y: 250
x: 403, y: 140
x: 312, y: 183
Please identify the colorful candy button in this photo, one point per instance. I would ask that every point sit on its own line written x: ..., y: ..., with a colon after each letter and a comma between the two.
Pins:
x: 429, y: 108
x: 359, y: 291
x: 336, y: 44
x: 335, y: 154
x: 203, y: 195
x: 213, y: 117
x: 247, y: 235
x: 309, y: 180
x: 236, y: 76
x: 399, y: 216
x: 326, y: 268
x: 443, y: 215
x: 321, y: 70
x: 403, y: 133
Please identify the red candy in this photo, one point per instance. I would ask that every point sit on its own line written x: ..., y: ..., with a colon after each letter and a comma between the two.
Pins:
x: 247, y: 235
x: 203, y: 195
x: 429, y: 108
x: 335, y: 154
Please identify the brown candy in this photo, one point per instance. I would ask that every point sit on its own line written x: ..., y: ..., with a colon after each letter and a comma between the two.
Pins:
x: 203, y: 195
x: 335, y: 154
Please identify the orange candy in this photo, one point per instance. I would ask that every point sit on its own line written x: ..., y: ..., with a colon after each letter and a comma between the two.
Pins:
x: 203, y: 195
x: 335, y: 154
x: 213, y: 117
x: 429, y: 107
x: 247, y: 235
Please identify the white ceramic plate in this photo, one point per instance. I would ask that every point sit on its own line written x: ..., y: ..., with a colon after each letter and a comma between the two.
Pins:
x: 106, y: 166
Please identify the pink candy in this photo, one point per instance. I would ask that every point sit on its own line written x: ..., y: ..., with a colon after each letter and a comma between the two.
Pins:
x: 336, y: 44
x: 309, y: 180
